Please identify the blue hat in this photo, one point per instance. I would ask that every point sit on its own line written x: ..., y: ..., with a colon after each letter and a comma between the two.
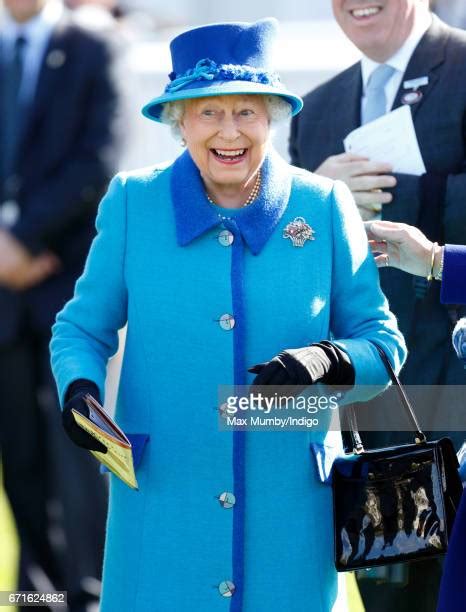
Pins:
x: 221, y: 59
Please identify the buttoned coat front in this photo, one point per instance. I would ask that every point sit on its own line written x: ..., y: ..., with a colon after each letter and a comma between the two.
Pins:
x: 160, y: 264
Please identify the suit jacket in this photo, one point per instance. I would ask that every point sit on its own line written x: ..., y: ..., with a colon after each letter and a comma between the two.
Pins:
x: 66, y: 155
x: 435, y: 202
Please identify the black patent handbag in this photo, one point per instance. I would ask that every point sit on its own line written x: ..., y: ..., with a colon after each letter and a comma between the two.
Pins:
x: 394, y: 504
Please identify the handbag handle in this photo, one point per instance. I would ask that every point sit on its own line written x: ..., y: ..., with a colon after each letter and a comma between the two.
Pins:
x: 419, y: 436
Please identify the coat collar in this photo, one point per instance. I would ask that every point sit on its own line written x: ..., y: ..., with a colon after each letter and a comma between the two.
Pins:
x: 195, y: 215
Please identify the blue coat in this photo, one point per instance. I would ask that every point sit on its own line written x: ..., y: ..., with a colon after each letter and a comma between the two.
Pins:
x: 453, y: 586
x: 452, y: 595
x: 453, y: 289
x: 160, y: 264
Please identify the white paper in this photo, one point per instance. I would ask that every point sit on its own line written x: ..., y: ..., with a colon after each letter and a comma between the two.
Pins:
x: 391, y: 139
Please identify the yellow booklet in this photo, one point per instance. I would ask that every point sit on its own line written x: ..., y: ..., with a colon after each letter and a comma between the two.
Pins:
x: 119, y: 455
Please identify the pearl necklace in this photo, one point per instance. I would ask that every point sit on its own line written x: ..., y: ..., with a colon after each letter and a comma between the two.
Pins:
x: 252, y: 196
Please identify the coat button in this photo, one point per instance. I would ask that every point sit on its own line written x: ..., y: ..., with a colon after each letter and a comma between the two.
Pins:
x: 226, y: 499
x: 226, y: 588
x: 225, y: 238
x: 227, y: 322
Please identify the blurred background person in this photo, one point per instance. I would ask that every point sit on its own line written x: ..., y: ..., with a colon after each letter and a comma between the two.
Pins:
x: 58, y: 148
x: 95, y: 14
x: 452, y: 11
x: 111, y: 15
x: 400, y: 41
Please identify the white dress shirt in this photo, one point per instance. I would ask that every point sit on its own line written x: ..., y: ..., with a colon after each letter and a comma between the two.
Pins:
x: 399, y: 61
x: 37, y: 32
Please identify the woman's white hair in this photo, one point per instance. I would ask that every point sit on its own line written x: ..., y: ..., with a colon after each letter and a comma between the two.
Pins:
x: 278, y: 109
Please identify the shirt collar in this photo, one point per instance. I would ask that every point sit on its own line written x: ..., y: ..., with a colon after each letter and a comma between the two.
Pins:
x: 195, y: 215
x: 37, y: 28
x: 400, y: 59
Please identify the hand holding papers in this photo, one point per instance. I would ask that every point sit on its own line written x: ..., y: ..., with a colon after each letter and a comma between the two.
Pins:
x: 119, y: 455
x: 391, y: 139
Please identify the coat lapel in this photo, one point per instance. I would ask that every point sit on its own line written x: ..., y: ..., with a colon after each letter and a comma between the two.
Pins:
x: 427, y: 57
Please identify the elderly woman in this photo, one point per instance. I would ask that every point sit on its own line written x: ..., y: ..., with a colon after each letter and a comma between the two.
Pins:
x: 225, y: 259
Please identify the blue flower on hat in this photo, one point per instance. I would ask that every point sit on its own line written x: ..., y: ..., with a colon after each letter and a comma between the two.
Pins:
x: 207, y: 69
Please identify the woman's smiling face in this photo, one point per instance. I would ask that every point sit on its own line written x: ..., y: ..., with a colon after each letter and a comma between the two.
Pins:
x: 227, y: 138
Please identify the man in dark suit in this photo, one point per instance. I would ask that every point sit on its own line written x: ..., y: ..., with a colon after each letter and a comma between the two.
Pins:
x: 58, y: 149
x: 409, y: 57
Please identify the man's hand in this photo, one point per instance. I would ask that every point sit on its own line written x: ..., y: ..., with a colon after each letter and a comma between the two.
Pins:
x: 365, y: 178
x: 18, y: 269
x: 39, y: 269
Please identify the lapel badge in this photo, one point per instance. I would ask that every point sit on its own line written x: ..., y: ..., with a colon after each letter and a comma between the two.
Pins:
x: 56, y: 58
x: 298, y: 231
x: 411, y: 97
x: 414, y: 96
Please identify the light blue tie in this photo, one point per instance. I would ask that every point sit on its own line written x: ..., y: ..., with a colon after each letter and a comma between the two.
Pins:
x: 376, y: 100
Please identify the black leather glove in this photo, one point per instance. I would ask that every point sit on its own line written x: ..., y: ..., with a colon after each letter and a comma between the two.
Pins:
x: 320, y: 362
x: 74, y: 398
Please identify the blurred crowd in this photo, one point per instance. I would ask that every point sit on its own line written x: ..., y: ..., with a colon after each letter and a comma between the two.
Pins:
x: 452, y: 11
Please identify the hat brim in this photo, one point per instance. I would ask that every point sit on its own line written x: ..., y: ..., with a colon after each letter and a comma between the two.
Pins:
x: 203, y: 89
